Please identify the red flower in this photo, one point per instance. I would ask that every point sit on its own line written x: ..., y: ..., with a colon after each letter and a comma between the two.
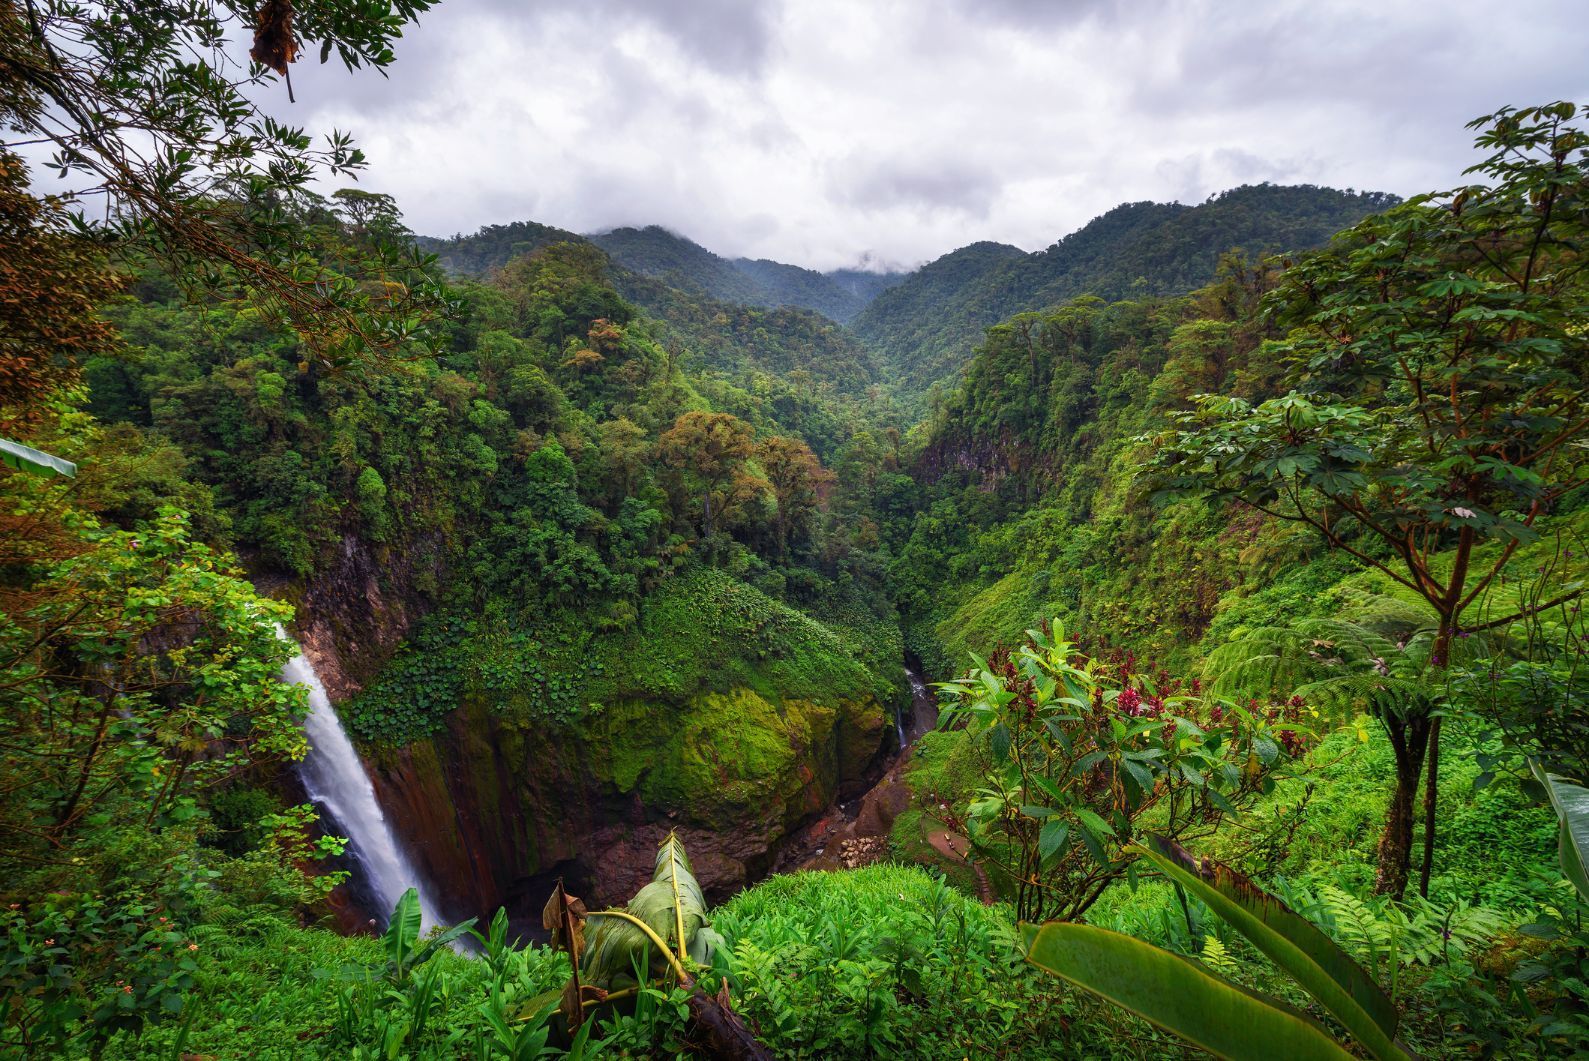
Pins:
x: 1129, y: 701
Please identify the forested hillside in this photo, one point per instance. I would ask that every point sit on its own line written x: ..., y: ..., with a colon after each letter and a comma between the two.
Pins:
x: 766, y: 361
x: 662, y: 255
x: 925, y: 329
x: 672, y: 261
x: 548, y: 646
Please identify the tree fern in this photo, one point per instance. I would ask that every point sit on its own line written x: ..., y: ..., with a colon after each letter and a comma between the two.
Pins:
x: 1372, y: 657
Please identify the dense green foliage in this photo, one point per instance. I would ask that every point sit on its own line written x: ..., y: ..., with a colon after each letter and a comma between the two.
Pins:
x: 1084, y: 751
x: 212, y: 182
x: 638, y: 536
x: 924, y: 330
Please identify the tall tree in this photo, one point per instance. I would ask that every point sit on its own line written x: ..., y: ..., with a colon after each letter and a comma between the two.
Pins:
x: 798, y: 482
x: 158, y: 123
x: 708, y: 451
x: 1439, y: 401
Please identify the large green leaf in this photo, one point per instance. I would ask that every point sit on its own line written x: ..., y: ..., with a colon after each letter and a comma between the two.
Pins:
x: 1291, y: 941
x: 613, y: 946
x: 27, y: 459
x: 402, y: 931
x: 1572, y: 808
x: 1177, y: 994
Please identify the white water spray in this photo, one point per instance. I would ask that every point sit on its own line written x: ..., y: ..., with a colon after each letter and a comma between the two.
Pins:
x: 334, y: 777
x: 923, y: 707
x: 917, y: 688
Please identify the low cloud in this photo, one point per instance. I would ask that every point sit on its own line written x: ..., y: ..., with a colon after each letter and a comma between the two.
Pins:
x: 822, y: 132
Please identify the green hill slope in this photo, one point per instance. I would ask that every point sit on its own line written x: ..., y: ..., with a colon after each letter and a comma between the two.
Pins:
x: 925, y: 329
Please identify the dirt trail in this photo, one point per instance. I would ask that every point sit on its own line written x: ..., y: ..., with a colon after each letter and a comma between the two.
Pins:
x: 954, y: 846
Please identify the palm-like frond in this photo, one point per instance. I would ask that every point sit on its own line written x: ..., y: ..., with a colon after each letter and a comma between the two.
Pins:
x: 1372, y: 657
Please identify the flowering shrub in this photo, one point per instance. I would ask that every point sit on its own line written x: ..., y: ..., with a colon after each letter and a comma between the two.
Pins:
x: 1085, y: 750
x: 83, y: 965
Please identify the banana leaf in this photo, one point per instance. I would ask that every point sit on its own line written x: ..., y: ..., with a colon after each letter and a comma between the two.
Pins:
x: 1178, y: 994
x: 672, y: 903
x: 1572, y: 808
x: 1292, y: 942
x: 402, y: 931
x: 401, y: 941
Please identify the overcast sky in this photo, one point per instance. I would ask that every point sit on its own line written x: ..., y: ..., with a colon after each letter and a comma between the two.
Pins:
x: 828, y: 132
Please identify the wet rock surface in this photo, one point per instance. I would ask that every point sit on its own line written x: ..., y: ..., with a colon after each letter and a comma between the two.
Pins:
x: 856, y: 833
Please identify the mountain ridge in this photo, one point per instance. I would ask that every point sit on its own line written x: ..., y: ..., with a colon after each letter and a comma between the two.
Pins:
x: 920, y: 328
x: 925, y: 329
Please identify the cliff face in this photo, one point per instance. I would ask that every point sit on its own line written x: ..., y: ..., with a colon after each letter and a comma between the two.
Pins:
x: 355, y: 614
x: 492, y: 813
x: 492, y: 809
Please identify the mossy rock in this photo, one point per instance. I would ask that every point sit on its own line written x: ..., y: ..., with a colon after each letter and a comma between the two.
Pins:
x: 723, y: 754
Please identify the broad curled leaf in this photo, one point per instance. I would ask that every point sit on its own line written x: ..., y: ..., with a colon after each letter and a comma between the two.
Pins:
x: 614, y: 945
x: 1571, y: 803
x: 1177, y: 994
x: 1291, y: 941
x: 35, y: 461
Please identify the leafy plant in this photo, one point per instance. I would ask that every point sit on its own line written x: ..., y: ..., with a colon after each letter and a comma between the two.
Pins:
x: 660, y: 935
x: 401, y: 941
x: 1081, y: 751
x: 1436, y: 403
x: 1571, y: 803
x: 1414, y: 931
x: 1207, y: 1009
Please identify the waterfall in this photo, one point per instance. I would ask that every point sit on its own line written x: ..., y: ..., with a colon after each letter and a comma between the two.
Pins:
x: 916, y: 687
x: 923, y: 705
x: 334, y: 777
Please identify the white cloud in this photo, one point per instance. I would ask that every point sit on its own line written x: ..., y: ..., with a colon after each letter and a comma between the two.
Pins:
x: 821, y: 131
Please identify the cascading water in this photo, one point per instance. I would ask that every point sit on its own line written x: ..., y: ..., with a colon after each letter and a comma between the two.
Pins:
x: 334, y: 777
x: 917, y: 688
x: 923, y: 705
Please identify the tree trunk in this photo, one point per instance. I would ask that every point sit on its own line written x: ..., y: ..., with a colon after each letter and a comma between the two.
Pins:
x: 1430, y: 795
x: 1450, y: 617
x: 1409, y: 739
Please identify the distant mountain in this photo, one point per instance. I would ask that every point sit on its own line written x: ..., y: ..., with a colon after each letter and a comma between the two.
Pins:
x: 908, y: 324
x: 492, y: 247
x: 925, y: 328
x: 678, y: 263
x: 911, y: 330
x: 865, y: 284
x: 814, y: 368
x: 655, y: 252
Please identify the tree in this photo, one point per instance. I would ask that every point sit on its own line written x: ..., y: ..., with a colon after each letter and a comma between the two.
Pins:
x: 368, y: 214
x: 1439, y: 402
x: 799, y: 483
x: 51, y: 285
x: 624, y: 449
x: 143, y: 104
x: 707, y: 452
